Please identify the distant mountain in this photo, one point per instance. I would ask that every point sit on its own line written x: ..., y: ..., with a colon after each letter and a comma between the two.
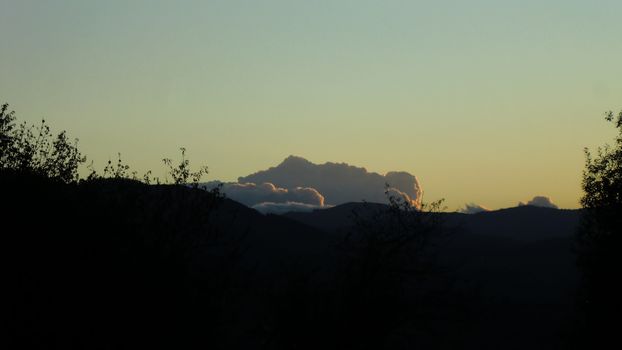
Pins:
x: 523, y: 223
x: 517, y: 263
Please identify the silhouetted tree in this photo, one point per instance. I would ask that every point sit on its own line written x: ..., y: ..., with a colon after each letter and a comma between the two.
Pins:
x: 386, y: 256
x: 7, y: 123
x: 600, y: 236
x: 33, y: 149
x: 365, y: 294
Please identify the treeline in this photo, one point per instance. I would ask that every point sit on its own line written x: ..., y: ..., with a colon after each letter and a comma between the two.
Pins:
x: 35, y: 150
x: 599, y: 242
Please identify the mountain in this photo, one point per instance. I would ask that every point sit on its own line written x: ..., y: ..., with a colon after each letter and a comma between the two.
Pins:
x: 523, y: 223
x: 516, y: 265
x: 114, y: 263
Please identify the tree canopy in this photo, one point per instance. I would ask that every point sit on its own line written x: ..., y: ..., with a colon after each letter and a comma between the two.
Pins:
x: 602, y: 177
x: 600, y: 237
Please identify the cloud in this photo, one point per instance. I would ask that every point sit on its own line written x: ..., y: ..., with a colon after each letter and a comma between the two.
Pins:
x: 338, y: 182
x: 395, y: 193
x: 282, y: 208
x: 540, y: 201
x: 472, y: 208
x: 251, y: 194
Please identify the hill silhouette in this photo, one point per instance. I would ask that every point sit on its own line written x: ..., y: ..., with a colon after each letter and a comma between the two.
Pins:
x: 117, y: 263
x: 120, y: 264
x: 518, y: 223
x: 516, y: 264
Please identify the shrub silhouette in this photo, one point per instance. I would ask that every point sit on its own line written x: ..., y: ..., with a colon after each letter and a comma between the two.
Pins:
x: 181, y: 173
x: 33, y: 149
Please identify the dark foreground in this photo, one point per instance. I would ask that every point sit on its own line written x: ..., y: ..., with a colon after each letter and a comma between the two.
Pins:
x: 119, y: 264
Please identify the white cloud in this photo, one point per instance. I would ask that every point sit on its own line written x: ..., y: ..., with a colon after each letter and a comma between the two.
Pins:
x: 251, y: 194
x: 540, y: 201
x: 338, y: 182
x: 395, y: 193
x: 472, y: 208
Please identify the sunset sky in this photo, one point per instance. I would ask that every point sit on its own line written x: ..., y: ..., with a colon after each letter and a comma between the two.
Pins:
x: 490, y: 102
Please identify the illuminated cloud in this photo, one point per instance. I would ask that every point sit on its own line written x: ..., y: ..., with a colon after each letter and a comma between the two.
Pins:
x: 251, y: 194
x: 540, y: 201
x: 472, y: 208
x: 338, y: 182
x: 282, y: 208
x: 395, y: 193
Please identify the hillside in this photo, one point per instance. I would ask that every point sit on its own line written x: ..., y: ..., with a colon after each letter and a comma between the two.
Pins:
x: 524, y: 223
x: 516, y: 264
x: 118, y: 264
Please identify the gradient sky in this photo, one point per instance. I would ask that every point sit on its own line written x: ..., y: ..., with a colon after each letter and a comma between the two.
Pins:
x: 484, y: 101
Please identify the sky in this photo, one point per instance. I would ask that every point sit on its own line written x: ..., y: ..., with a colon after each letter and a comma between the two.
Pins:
x: 490, y: 102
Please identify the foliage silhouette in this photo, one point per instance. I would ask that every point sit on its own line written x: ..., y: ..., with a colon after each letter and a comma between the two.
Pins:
x: 118, y: 172
x: 385, y: 258
x: 33, y: 149
x: 600, y: 237
x: 181, y: 173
